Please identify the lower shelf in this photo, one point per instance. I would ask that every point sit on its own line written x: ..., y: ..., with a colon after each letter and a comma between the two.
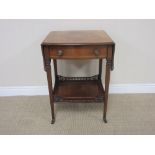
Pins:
x: 83, y: 89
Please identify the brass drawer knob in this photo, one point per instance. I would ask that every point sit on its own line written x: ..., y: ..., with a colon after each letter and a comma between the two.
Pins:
x: 96, y: 52
x: 60, y: 52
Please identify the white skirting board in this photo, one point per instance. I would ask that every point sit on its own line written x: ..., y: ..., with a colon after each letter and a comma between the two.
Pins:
x: 43, y: 90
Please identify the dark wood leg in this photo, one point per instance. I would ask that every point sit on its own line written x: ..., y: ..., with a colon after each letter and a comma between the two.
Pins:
x: 100, y: 68
x: 49, y: 79
x: 107, y: 80
x: 55, y: 68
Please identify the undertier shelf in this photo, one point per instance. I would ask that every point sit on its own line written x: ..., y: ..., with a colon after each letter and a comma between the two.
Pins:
x: 80, y: 89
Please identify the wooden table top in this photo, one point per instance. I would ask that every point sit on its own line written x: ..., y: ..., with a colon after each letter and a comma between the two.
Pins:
x: 83, y: 37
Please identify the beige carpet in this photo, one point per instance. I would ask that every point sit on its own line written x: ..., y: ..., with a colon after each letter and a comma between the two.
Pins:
x: 127, y: 114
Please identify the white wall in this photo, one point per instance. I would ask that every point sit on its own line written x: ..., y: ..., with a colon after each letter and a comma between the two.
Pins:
x: 21, y: 60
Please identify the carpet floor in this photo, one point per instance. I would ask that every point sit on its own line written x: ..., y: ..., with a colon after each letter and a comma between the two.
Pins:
x: 127, y: 115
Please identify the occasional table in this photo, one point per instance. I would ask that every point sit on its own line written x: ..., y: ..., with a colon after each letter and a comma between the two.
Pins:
x: 78, y: 45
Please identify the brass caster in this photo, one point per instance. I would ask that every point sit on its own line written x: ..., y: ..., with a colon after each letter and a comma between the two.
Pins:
x: 105, y: 120
x: 53, y: 121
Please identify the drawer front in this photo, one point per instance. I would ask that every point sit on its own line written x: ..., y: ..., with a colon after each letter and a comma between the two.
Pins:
x: 84, y: 52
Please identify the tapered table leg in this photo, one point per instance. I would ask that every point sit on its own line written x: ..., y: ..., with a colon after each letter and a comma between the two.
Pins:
x: 55, y: 68
x: 107, y: 80
x: 100, y: 68
x: 49, y: 79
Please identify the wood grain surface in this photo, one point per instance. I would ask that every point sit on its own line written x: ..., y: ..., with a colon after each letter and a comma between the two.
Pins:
x: 77, y: 37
